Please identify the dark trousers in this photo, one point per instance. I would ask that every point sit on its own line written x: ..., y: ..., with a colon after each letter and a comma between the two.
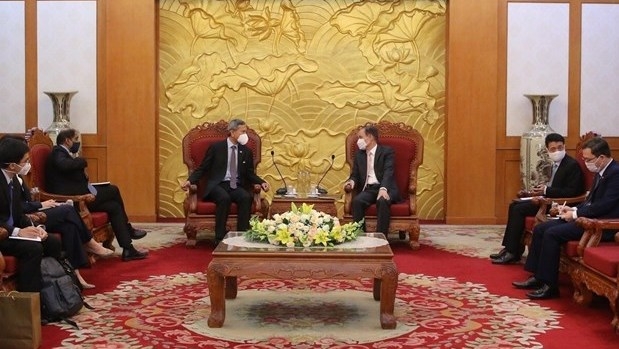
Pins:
x: 367, y: 197
x: 545, y: 250
x: 109, y: 200
x: 518, y: 212
x: 29, y: 255
x: 65, y: 220
x: 223, y: 196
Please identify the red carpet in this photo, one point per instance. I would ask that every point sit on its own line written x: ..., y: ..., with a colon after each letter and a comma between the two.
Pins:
x: 444, y: 300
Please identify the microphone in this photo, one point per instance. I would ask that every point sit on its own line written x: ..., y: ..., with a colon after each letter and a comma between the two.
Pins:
x: 323, y: 191
x: 280, y: 191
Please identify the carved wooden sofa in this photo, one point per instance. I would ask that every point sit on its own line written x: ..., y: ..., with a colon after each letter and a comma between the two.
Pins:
x: 595, y: 270
x: 199, y: 214
x: 407, y: 144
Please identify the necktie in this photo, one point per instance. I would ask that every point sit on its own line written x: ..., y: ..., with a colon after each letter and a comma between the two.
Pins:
x: 233, y: 169
x: 596, y: 181
x: 9, y: 221
x: 552, y: 175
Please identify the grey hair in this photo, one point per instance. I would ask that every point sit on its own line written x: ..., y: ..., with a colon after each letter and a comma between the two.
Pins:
x: 234, y: 124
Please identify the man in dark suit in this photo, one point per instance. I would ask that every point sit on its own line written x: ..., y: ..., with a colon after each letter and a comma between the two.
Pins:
x: 601, y: 202
x: 65, y: 173
x: 566, y: 180
x: 14, y: 224
x: 373, y: 175
x: 229, y: 168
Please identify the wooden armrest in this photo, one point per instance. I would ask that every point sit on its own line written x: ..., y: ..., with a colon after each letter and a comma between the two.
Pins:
x: 348, y: 199
x: 43, y: 196
x: 191, y: 203
x: 2, y: 266
x: 593, y: 231
x: 545, y: 202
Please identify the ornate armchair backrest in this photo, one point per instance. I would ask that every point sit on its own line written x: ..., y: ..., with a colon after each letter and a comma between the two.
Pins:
x: 407, y: 144
x: 40, y: 147
x: 588, y: 176
x: 197, y: 141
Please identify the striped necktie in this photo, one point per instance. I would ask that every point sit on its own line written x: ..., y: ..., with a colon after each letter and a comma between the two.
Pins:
x: 10, y: 221
x: 233, y: 169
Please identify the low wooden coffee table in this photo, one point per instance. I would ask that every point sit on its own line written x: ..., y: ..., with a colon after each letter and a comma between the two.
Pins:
x: 230, y: 262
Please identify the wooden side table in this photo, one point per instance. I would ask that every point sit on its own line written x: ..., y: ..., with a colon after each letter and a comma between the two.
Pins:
x: 281, y: 204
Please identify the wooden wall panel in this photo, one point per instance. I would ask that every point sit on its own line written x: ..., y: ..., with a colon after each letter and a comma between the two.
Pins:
x: 130, y: 99
x: 471, y: 112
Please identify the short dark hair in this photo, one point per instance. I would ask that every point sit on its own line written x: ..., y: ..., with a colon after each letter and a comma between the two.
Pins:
x: 65, y: 134
x: 598, y: 146
x: 554, y: 137
x: 371, y: 129
x: 12, y: 151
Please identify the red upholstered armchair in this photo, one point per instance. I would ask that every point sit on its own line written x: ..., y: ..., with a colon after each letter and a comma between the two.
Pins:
x: 199, y: 214
x: 98, y: 223
x: 544, y: 203
x: 407, y: 144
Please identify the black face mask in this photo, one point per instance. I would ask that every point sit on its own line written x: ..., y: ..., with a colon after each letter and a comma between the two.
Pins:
x: 75, y: 147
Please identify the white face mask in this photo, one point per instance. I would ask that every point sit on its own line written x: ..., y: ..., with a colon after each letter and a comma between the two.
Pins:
x: 243, y: 139
x: 557, y: 156
x: 361, y: 143
x: 591, y: 166
x: 25, y: 169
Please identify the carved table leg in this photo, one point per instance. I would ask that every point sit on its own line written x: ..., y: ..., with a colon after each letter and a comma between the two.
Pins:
x: 216, y: 288
x: 387, y: 297
x: 376, y: 290
x: 231, y: 287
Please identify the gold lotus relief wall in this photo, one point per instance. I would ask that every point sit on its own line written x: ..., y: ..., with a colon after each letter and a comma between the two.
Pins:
x: 302, y: 75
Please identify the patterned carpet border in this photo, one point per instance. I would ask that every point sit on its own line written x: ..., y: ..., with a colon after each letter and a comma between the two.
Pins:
x: 170, y: 312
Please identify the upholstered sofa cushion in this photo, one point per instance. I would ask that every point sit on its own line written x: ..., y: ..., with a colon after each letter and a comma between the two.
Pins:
x: 401, y: 208
x: 603, y: 258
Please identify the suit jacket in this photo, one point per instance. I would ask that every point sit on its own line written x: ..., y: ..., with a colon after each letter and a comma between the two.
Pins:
x: 603, y: 200
x: 568, y: 180
x: 65, y: 174
x: 19, y: 218
x: 215, y: 164
x: 384, y: 159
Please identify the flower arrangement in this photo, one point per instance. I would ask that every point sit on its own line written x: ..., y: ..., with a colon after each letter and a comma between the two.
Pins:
x: 302, y: 227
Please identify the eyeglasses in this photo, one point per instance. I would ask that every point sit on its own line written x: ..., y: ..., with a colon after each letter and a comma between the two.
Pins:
x: 590, y: 160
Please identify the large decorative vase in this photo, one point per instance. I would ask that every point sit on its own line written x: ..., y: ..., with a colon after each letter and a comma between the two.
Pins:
x: 535, y: 165
x: 61, y: 102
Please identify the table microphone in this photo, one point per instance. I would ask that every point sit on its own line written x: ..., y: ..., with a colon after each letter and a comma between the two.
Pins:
x: 323, y: 191
x: 280, y: 191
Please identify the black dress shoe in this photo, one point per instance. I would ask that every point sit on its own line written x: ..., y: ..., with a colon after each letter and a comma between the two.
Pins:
x: 507, y: 258
x: 529, y: 284
x: 544, y: 292
x: 137, y: 234
x: 497, y: 255
x: 131, y: 254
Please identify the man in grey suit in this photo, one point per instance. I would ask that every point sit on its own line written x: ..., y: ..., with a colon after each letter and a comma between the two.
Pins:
x: 567, y: 181
x: 229, y: 168
x: 373, y: 176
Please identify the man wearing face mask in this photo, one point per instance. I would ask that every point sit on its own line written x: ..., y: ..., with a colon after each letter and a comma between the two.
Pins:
x: 566, y: 180
x: 15, y: 225
x: 548, y: 237
x: 65, y: 173
x: 373, y: 176
x: 229, y: 168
